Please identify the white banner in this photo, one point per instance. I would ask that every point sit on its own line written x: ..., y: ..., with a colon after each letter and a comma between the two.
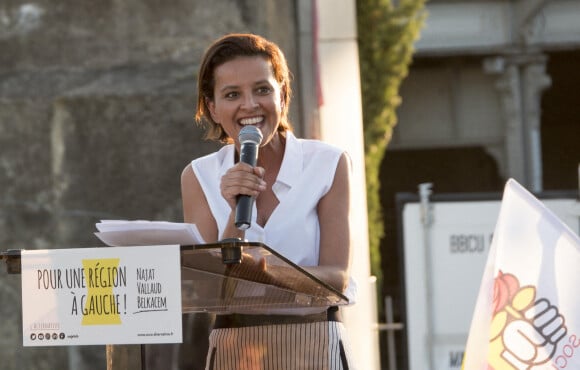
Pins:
x: 444, y: 263
x: 86, y: 296
x: 527, y: 314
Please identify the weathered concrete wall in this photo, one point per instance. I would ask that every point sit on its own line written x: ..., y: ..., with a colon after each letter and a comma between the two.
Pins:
x: 96, y: 122
x: 67, y: 33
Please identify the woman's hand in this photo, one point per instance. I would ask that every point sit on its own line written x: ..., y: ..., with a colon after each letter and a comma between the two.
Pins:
x: 252, y: 268
x: 242, y: 179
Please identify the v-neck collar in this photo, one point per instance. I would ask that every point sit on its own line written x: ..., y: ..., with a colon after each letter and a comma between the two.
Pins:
x: 288, y: 176
x: 290, y: 169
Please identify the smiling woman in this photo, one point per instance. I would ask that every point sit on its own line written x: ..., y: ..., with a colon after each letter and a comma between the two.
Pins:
x: 301, y: 208
x: 226, y: 49
x: 249, y: 98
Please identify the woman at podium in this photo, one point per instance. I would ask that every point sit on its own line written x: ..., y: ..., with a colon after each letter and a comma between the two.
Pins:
x: 299, y: 204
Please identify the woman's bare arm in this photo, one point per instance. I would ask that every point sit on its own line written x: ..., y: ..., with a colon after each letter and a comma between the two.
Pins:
x: 335, y: 246
x: 195, y: 207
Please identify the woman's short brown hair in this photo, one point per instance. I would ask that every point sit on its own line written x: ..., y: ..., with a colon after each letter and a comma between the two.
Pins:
x: 224, y: 50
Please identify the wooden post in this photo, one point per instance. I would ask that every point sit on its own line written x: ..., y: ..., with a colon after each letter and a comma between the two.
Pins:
x: 122, y: 357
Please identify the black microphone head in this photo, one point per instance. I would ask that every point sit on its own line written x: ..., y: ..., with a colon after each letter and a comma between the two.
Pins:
x: 250, y: 134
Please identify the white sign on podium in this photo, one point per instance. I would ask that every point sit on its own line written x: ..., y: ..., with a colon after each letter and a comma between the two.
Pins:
x: 90, y: 296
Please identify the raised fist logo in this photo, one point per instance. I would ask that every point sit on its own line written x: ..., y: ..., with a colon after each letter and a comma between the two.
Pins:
x: 524, y: 331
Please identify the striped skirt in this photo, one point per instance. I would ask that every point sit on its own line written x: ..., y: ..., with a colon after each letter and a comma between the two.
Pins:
x: 318, y: 345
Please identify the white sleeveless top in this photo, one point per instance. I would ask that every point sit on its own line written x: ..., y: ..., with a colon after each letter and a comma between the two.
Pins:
x: 306, y: 175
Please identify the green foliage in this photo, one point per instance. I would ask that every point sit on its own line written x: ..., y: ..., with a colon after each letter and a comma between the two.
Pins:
x: 386, y: 37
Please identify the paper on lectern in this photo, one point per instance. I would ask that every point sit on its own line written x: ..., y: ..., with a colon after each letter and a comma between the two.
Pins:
x: 123, y: 233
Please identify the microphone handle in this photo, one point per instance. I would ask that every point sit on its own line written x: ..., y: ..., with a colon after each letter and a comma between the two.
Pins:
x: 244, y: 212
x: 245, y: 203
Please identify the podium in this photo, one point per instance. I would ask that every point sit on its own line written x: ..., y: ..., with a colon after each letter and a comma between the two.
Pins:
x: 231, y: 276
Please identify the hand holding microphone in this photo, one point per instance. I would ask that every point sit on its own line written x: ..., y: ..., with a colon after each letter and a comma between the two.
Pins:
x: 250, y: 138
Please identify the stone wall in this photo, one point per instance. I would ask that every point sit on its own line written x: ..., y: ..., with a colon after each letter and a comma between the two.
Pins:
x: 96, y: 122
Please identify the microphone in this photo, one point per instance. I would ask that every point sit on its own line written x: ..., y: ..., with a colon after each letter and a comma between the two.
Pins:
x: 250, y: 138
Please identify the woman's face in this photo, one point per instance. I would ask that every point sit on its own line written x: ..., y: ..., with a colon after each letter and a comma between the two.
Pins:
x: 246, y: 93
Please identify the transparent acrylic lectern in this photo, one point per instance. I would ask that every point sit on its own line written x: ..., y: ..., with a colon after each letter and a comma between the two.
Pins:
x: 229, y: 276
x: 225, y: 277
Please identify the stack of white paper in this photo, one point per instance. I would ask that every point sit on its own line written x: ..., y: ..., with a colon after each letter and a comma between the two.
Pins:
x: 122, y: 233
